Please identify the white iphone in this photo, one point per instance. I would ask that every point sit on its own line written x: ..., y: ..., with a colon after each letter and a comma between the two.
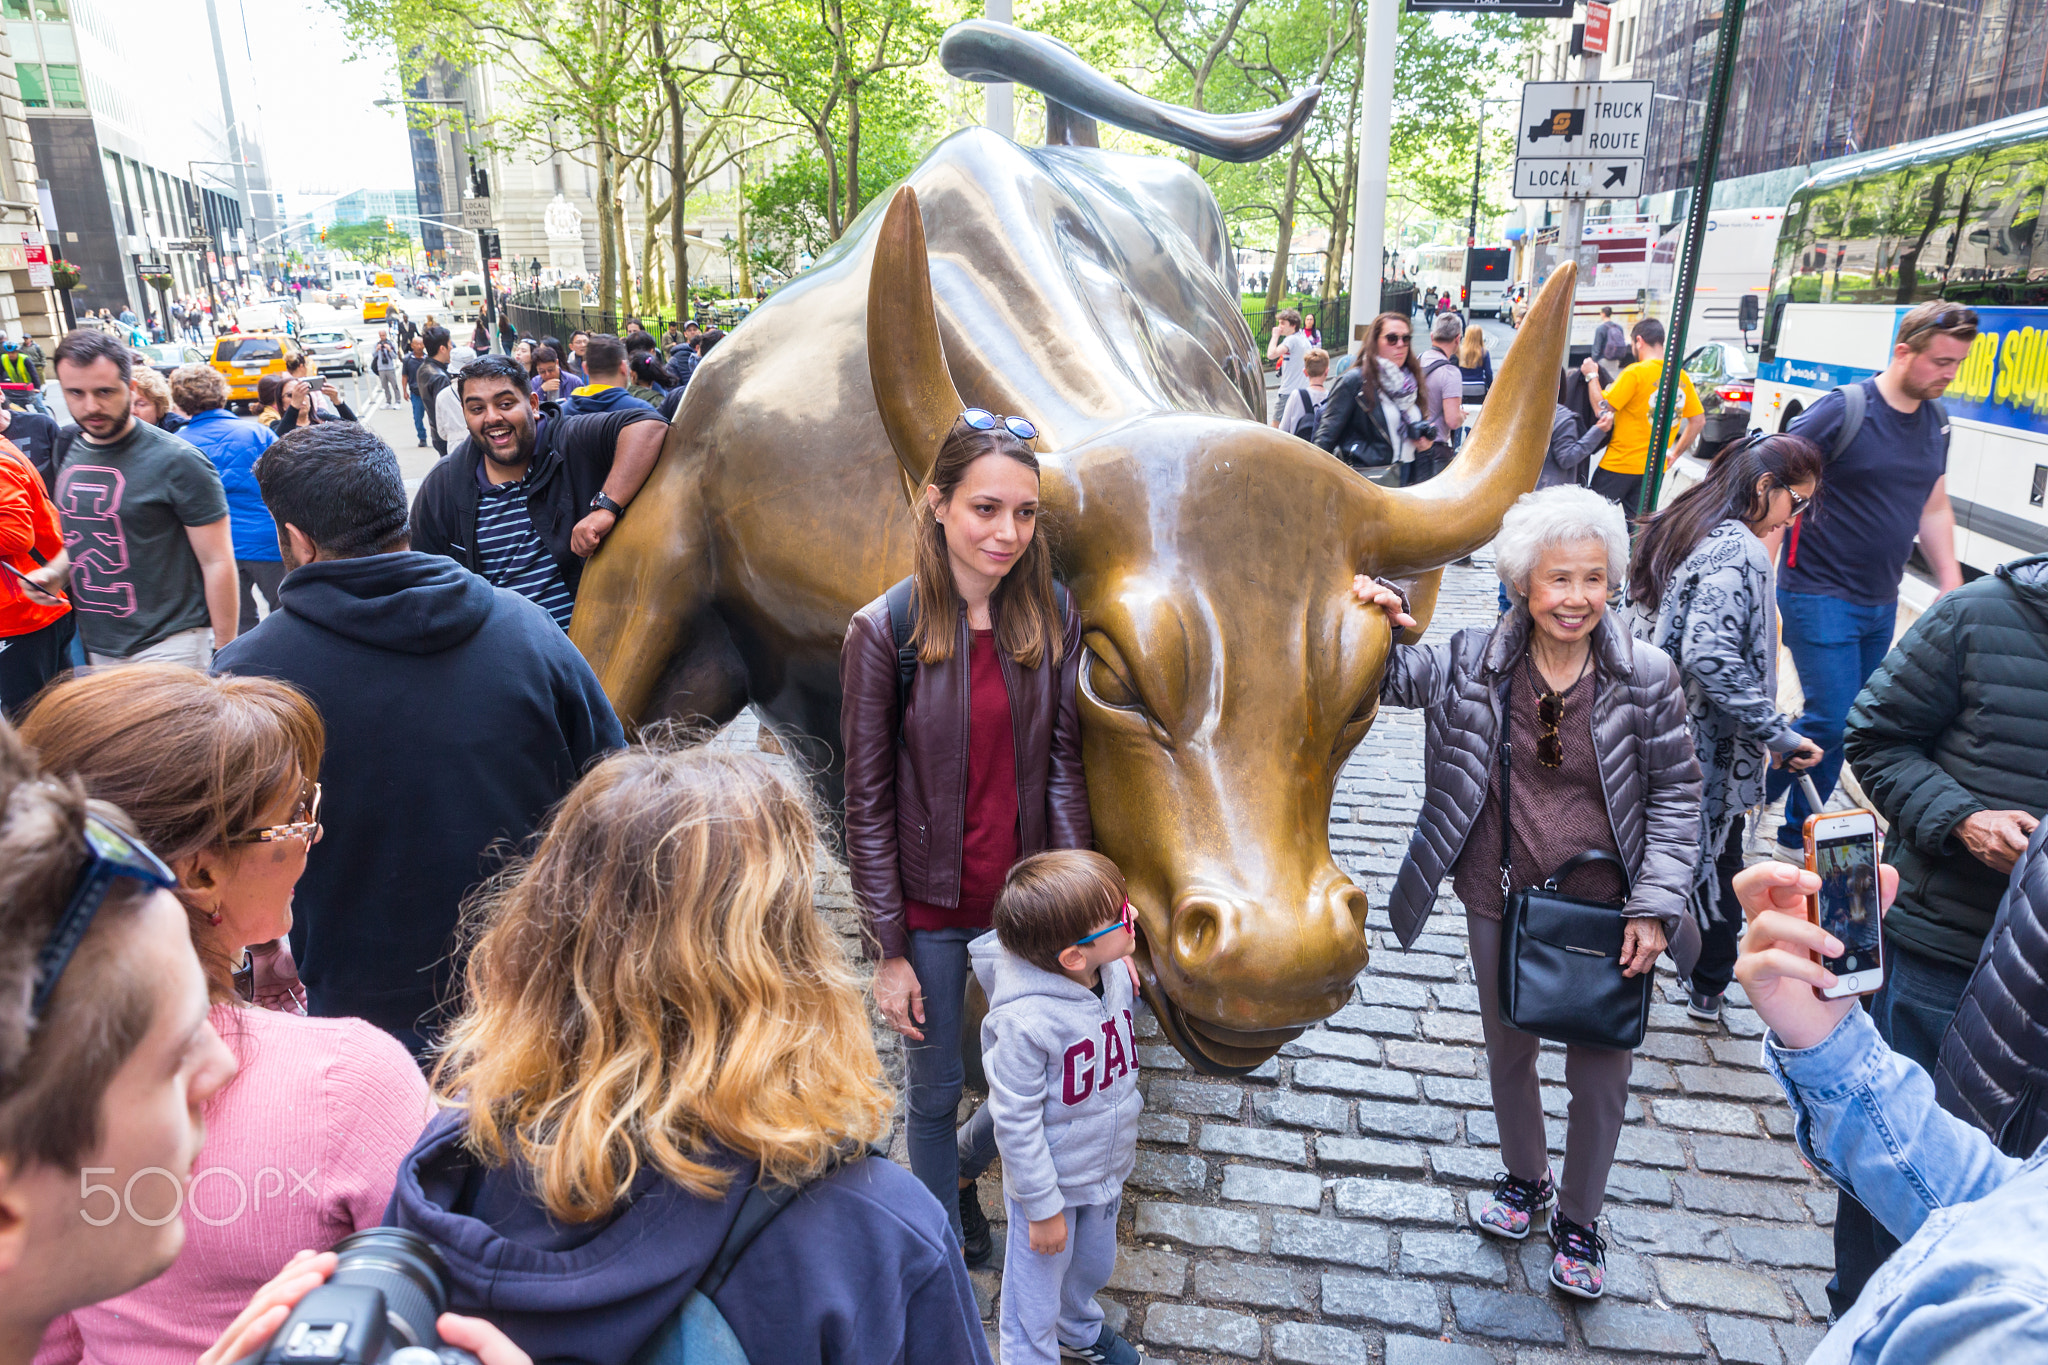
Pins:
x: 1841, y: 848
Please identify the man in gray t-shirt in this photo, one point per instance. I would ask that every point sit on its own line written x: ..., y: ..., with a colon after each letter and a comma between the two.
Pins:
x: 1442, y: 396
x: 1289, y: 347
x: 145, y: 519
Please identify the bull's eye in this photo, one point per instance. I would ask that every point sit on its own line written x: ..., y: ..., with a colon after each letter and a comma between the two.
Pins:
x: 1107, y: 687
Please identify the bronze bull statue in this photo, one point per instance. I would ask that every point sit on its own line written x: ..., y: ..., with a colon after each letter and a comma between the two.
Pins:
x: 1229, y: 673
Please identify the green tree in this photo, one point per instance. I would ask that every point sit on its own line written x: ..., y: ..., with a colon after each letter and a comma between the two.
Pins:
x: 366, y: 241
x: 835, y: 67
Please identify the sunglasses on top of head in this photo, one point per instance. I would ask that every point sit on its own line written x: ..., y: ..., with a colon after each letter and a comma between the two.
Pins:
x: 981, y: 419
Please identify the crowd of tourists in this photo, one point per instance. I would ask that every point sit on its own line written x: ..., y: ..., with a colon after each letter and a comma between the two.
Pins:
x: 352, y: 912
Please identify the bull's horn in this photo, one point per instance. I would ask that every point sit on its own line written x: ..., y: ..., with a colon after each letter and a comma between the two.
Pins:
x: 906, y: 361
x: 1414, y: 529
x: 986, y: 51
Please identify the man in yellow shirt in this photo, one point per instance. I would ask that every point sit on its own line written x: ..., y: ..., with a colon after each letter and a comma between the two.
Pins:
x: 1634, y: 399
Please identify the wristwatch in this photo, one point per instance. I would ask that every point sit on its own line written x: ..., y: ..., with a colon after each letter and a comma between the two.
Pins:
x: 601, y: 503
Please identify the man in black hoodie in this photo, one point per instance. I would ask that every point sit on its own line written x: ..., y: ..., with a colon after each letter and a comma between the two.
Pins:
x: 457, y: 714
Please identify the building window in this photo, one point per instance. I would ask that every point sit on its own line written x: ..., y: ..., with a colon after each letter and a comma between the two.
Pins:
x: 34, y: 93
x: 66, y: 91
x: 49, y: 11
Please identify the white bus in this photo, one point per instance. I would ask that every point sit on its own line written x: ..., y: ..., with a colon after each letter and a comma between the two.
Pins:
x: 1735, y: 261
x: 1483, y: 293
x: 1955, y: 218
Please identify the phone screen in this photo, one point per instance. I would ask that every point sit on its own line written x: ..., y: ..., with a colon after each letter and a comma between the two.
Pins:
x: 1848, y: 899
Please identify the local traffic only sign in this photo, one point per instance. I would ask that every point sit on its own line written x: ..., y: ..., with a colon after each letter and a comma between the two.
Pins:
x: 1583, y: 139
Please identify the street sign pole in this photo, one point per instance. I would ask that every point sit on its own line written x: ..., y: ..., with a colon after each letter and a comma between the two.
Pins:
x: 1573, y: 238
x: 1695, y: 239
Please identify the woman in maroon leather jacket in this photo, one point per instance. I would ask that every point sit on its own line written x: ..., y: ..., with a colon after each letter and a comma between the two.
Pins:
x: 978, y: 766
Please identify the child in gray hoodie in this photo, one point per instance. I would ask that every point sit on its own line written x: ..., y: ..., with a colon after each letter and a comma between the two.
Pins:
x: 1059, y: 1050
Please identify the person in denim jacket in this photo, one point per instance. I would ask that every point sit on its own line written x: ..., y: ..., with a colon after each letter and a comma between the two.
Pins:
x: 1971, y: 1281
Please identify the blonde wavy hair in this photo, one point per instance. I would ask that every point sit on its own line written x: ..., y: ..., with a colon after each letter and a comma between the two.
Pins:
x: 656, y: 985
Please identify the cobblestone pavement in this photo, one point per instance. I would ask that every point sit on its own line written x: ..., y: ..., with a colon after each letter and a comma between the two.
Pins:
x: 1320, y: 1211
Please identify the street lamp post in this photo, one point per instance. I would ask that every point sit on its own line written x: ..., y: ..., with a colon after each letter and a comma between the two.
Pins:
x: 482, y: 234
x: 1472, y: 222
x: 212, y: 234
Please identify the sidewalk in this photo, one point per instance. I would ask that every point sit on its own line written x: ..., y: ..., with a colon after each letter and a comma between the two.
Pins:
x: 1319, y: 1213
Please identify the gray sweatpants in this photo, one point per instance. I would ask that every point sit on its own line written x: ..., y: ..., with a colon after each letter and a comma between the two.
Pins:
x: 1051, y: 1299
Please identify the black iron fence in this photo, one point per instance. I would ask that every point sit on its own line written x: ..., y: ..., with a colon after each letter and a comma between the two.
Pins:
x: 541, y: 313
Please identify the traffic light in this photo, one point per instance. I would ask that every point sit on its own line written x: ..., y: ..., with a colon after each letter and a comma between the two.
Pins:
x: 390, y: 228
x: 323, y: 234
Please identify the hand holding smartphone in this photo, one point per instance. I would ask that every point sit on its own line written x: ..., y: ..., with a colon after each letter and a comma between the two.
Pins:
x: 1842, y: 850
x: 47, y: 595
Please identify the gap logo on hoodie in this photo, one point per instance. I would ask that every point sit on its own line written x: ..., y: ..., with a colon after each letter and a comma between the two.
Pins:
x: 1089, y: 1066
x: 1062, y: 1067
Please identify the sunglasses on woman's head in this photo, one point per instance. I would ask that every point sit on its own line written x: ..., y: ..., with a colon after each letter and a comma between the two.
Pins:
x: 981, y: 419
x: 113, y: 856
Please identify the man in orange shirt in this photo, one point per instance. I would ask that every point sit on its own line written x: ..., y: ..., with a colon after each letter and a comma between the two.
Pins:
x: 1633, y: 398
x: 35, y: 617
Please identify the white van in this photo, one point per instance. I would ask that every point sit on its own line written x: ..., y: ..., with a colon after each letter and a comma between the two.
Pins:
x: 465, y: 294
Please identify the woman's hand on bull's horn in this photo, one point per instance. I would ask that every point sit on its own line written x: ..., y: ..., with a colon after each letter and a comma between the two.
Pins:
x: 1373, y: 593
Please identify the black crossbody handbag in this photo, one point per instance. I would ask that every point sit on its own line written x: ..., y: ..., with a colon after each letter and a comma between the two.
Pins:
x: 1560, y: 956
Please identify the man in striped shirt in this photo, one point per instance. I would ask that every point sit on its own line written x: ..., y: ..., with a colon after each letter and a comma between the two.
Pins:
x: 530, y: 495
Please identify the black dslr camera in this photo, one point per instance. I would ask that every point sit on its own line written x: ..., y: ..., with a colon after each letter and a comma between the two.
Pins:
x: 1421, y: 431
x: 377, y: 1308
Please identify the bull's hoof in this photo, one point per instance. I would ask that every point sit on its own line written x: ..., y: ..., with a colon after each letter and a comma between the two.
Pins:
x: 1210, y: 1048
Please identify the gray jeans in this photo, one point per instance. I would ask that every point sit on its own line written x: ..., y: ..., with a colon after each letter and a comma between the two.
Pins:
x: 1596, y: 1077
x: 1049, y: 1301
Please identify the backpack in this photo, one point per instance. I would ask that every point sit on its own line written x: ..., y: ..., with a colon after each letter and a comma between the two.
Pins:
x: 698, y: 1334
x: 902, y: 600
x: 1311, y: 414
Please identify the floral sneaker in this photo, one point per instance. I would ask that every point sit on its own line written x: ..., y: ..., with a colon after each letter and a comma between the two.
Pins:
x: 1512, y: 1210
x: 1577, y: 1268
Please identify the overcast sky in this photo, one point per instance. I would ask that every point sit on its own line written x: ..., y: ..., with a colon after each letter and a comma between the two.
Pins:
x: 322, y: 132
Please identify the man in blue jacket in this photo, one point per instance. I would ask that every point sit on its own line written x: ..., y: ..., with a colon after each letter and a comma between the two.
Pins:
x: 457, y: 714
x: 234, y: 444
x: 605, y: 360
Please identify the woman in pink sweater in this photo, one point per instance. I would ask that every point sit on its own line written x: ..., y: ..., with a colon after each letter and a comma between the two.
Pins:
x: 303, y: 1146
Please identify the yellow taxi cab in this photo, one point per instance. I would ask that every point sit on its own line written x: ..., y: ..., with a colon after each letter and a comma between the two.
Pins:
x: 243, y: 358
x: 385, y: 281
x: 376, y: 305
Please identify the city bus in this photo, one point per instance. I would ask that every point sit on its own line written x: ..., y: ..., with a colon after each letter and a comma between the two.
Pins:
x: 1955, y: 218
x: 1443, y: 268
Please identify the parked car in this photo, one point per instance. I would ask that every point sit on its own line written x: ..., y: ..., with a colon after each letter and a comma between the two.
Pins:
x: 163, y: 357
x: 333, y: 352
x: 1725, y: 376
x: 244, y: 358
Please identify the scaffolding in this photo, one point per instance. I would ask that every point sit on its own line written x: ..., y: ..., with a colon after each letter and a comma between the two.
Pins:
x: 1818, y: 79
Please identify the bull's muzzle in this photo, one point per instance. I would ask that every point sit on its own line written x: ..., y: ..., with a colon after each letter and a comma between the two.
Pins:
x: 1232, y: 978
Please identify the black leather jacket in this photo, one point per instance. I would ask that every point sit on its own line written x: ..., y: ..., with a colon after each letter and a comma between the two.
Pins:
x: 906, y: 801
x: 1346, y: 419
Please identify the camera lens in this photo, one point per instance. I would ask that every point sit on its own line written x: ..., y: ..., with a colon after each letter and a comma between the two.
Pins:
x: 410, y: 1272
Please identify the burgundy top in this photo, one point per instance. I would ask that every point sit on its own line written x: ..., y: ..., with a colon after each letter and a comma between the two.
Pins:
x: 990, y: 843
x: 1558, y: 812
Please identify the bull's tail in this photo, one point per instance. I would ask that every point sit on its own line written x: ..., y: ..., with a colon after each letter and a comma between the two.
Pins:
x: 1076, y: 95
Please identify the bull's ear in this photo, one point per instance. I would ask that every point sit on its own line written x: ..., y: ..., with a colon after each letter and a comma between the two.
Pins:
x: 913, y: 389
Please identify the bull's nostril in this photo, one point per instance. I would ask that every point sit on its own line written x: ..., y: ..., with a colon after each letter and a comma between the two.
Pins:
x: 1197, y: 933
x: 1353, y: 902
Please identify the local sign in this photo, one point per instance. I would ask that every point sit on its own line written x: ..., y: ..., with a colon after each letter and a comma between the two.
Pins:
x: 476, y: 213
x: 1524, y: 9
x: 1582, y: 139
x: 1597, y: 18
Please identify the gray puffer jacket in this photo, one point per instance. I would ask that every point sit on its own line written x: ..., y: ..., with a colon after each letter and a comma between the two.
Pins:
x: 1649, y: 773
